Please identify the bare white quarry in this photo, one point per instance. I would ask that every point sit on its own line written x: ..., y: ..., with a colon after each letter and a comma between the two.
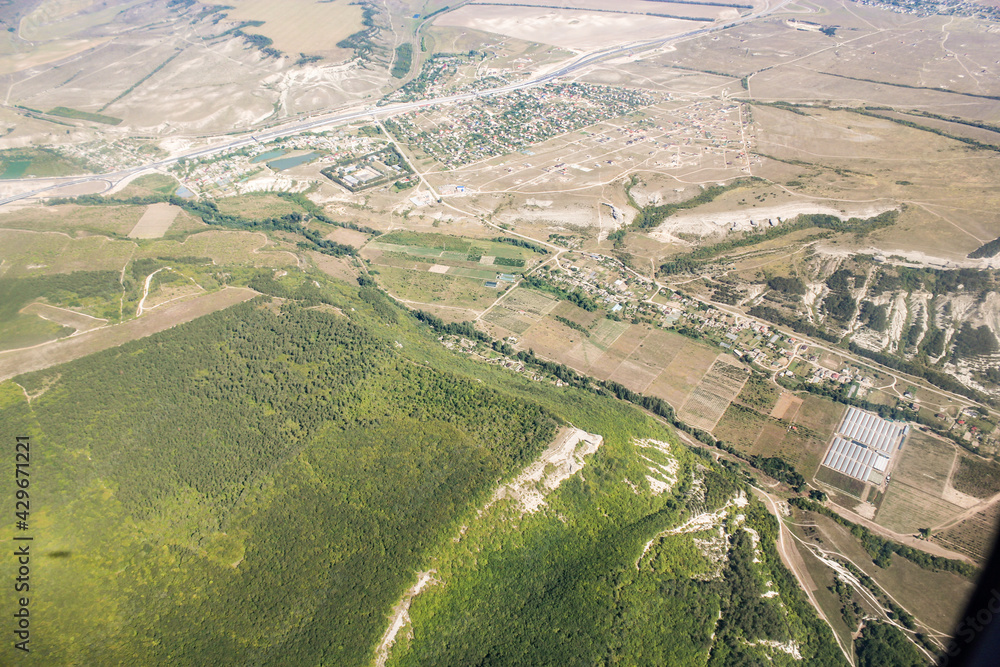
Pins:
x: 706, y: 521
x: 662, y: 474
x: 560, y: 461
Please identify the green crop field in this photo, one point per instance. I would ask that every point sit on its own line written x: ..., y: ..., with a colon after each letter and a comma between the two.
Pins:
x: 23, y: 162
x: 837, y: 480
x: 65, y: 112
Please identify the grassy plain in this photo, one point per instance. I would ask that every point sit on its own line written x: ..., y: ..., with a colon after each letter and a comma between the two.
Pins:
x: 258, y: 206
x: 150, y: 184
x: 939, y: 598
x: 37, y: 162
x: 223, y: 247
x: 438, y: 289
x: 73, y: 220
x: 51, y: 252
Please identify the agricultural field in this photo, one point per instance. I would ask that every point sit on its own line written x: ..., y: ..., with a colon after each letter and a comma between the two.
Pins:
x: 973, y: 536
x: 907, y: 509
x: 643, y: 358
x: 930, y: 486
x: 925, y: 463
x: 686, y: 362
x: 713, y: 394
x: 763, y: 422
x: 519, y: 310
x: 420, y: 288
x: 155, y: 221
x: 258, y: 206
x: 841, y: 482
x: 76, y: 114
x: 447, y: 270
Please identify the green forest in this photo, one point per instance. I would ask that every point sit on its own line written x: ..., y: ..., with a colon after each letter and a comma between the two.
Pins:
x: 261, y: 485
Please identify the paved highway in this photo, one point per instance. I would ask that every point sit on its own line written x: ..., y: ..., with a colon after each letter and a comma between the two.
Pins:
x: 341, y: 118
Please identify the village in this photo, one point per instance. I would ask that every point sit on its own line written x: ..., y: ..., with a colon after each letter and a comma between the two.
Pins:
x: 455, y: 135
x: 791, y: 361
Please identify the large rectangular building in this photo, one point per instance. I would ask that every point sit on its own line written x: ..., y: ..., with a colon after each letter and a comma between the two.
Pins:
x: 864, y: 444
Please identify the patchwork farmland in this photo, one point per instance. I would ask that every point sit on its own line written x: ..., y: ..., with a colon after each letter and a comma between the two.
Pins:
x: 713, y: 394
x: 435, y: 268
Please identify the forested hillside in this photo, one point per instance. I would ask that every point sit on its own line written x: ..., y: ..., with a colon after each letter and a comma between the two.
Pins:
x: 261, y: 486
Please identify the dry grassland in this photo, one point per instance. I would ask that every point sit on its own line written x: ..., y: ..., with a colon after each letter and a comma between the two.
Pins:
x: 223, y: 247
x: 341, y: 268
x: 300, y: 26
x: 257, y: 207
x: 39, y: 252
x: 64, y: 317
x: 16, y: 362
x: 636, y: 6
x: 946, y: 185
x: 71, y: 219
x: 569, y: 29
x: 740, y: 427
x: 432, y: 288
x: 347, y: 237
x: 939, y: 598
x: 47, y: 53
x: 58, y: 19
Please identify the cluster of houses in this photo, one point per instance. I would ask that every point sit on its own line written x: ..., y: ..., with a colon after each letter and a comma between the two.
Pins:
x: 459, y: 134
